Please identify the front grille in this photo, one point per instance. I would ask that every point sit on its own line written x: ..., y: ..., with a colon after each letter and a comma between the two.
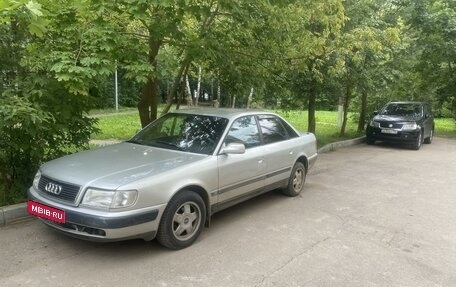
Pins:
x: 390, y: 125
x: 68, y: 193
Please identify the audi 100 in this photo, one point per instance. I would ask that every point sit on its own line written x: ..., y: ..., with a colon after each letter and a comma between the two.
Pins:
x: 170, y: 178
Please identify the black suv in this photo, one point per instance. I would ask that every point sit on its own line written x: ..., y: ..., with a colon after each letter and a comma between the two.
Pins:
x: 407, y: 122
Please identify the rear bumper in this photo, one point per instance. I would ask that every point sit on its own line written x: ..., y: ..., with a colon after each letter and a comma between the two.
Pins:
x: 95, y: 225
x: 311, y: 161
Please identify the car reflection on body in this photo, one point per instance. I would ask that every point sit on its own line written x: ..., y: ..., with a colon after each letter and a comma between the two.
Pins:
x: 168, y: 180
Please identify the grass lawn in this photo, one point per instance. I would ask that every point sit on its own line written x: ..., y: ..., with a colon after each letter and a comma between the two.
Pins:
x: 445, y: 127
x: 125, y: 123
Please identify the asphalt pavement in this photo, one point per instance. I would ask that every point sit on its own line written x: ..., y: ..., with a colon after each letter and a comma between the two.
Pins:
x: 380, y: 215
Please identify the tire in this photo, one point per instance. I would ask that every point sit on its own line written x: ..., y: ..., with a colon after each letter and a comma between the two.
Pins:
x: 296, y: 180
x: 418, y: 141
x: 182, y: 221
x: 429, y: 139
x: 370, y: 141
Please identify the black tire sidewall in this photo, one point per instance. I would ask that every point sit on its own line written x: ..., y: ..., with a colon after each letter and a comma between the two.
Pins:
x: 418, y: 141
x: 165, y: 235
x: 289, y: 190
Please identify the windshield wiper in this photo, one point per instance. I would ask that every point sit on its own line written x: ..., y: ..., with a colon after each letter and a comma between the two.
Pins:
x: 169, y: 144
x: 133, y: 141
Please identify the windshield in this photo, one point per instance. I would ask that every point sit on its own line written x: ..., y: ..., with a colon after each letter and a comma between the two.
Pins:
x: 184, y: 132
x: 403, y: 109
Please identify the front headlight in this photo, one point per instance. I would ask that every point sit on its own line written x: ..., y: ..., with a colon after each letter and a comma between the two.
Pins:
x: 106, y: 199
x: 36, y: 180
x: 409, y: 126
x: 374, y: 124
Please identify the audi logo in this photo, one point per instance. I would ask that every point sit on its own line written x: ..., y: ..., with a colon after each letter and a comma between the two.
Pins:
x: 53, y: 188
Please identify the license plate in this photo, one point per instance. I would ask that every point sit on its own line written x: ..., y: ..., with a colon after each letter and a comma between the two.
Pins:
x: 44, y: 211
x: 391, y: 132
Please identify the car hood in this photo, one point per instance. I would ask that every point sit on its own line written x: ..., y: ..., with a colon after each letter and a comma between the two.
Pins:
x: 113, y: 166
x: 386, y: 118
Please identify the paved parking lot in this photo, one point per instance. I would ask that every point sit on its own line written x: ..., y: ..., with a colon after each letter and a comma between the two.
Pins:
x: 370, y: 216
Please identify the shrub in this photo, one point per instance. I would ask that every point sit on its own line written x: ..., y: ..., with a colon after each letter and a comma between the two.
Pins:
x: 31, y: 131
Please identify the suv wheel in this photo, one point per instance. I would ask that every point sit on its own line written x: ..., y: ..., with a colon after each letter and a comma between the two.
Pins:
x: 370, y: 141
x: 418, y: 141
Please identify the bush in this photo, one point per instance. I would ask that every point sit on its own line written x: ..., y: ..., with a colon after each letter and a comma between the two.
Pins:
x: 34, y: 131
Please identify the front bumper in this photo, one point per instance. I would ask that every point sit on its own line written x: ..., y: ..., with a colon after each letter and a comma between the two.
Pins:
x: 374, y: 133
x: 96, y: 225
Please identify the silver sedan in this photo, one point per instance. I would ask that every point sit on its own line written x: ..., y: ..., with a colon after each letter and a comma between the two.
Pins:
x: 168, y: 180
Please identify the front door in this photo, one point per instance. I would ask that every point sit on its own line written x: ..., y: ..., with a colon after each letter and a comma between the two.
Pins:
x: 241, y: 175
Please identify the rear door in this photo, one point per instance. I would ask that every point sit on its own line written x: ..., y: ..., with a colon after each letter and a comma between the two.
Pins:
x: 280, y: 146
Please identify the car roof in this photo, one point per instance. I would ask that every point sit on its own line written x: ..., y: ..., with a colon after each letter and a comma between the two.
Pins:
x: 407, y: 102
x: 222, y: 112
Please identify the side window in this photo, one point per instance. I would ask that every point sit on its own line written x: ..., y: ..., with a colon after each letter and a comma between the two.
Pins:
x: 272, y: 129
x: 244, y: 130
x: 291, y: 132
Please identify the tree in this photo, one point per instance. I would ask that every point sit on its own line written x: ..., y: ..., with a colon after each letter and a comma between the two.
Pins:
x: 45, y: 90
x: 311, y: 32
x: 366, y: 45
x: 435, y: 30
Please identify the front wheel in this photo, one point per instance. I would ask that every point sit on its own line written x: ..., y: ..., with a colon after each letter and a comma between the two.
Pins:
x: 370, y: 141
x: 296, y: 180
x: 182, y: 220
x: 418, y: 141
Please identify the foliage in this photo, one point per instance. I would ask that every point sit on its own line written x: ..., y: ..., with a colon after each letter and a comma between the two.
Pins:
x: 42, y: 111
x: 59, y: 58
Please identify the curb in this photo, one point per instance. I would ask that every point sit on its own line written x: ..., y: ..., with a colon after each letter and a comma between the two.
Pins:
x: 336, y: 145
x: 13, y: 213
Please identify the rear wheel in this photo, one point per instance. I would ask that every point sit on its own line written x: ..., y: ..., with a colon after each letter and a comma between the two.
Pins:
x: 182, y: 220
x: 296, y: 180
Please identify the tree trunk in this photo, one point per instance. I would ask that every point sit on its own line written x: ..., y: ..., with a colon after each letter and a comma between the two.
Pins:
x: 219, y: 92
x: 198, y: 87
x: 348, y: 94
x: 183, y: 70
x: 312, y: 106
x: 217, y: 101
x: 188, y: 92
x: 363, y: 112
x: 148, y: 102
x: 249, y: 101
x: 234, y: 102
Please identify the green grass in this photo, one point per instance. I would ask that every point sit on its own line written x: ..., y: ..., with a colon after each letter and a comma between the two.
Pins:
x: 111, y: 111
x: 445, y: 127
x: 123, y: 125
x: 327, y: 129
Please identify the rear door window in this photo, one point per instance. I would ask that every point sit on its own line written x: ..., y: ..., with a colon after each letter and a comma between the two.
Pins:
x: 272, y: 129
